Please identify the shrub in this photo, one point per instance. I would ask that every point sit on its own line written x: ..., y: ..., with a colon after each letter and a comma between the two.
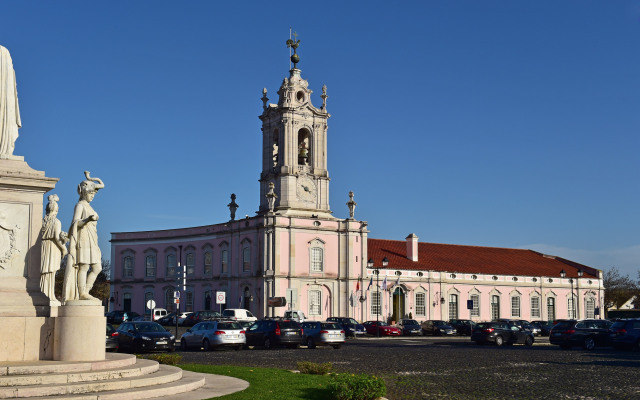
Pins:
x: 308, y: 367
x: 164, y: 358
x: 356, y: 387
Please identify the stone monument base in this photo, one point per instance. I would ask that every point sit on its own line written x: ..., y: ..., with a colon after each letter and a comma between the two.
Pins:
x: 80, y: 331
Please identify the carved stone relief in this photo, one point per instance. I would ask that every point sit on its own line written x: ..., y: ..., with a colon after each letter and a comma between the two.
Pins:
x: 14, y: 238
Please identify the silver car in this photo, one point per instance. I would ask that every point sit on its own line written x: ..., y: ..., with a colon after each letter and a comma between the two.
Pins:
x: 211, y: 334
x: 322, y: 333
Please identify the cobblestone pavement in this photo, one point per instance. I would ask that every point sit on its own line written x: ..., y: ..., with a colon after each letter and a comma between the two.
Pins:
x: 454, y: 368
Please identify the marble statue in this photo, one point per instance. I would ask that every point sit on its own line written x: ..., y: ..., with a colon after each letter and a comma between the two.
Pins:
x: 271, y: 197
x: 9, y: 110
x: 352, y: 205
x: 53, y: 249
x: 233, y: 206
x: 84, y: 260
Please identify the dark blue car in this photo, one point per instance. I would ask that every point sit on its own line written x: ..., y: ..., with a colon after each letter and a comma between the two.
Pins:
x: 351, y: 327
x: 410, y: 327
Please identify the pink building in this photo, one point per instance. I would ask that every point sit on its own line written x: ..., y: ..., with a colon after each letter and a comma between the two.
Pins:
x: 294, y: 248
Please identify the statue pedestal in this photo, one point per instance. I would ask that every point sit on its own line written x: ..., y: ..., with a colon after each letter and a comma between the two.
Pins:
x: 24, y: 309
x: 80, y: 331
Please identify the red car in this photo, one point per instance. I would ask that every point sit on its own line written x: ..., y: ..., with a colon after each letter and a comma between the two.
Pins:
x: 384, y: 328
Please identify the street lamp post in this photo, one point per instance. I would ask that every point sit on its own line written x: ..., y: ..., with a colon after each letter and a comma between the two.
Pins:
x: 578, y: 292
x: 385, y: 262
x: 563, y: 274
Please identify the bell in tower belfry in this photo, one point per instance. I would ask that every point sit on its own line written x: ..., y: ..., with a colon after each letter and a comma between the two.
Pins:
x: 294, y: 142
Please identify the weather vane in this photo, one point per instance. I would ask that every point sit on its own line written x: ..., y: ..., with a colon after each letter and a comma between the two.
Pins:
x: 293, y: 44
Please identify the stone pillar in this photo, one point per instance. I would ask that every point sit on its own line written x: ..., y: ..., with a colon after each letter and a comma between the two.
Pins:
x: 80, y: 331
x: 24, y: 310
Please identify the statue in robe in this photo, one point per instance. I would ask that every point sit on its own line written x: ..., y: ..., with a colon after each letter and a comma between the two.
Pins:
x: 9, y: 110
x: 53, y: 249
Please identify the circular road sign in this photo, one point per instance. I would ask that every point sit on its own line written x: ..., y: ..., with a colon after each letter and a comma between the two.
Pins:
x: 151, y: 304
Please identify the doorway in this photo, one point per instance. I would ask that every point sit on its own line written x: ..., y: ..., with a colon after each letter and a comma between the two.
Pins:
x: 398, y: 304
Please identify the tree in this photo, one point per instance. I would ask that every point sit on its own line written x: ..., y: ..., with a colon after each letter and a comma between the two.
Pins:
x: 618, y: 288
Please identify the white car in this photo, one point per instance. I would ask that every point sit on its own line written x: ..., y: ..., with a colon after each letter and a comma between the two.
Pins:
x: 182, y: 316
x: 211, y: 334
x: 239, y: 314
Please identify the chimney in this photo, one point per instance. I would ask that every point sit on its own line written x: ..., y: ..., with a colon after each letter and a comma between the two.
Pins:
x: 412, y: 247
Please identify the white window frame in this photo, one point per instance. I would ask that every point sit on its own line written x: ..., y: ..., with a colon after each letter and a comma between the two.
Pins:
x: 150, y: 258
x: 535, y: 307
x: 171, y: 260
x: 207, y: 261
x: 453, y: 306
x: 495, y: 307
x: 315, y: 302
x: 515, y: 306
x: 376, y: 303
x: 590, y: 307
x: 551, y: 308
x: 316, y: 256
x: 571, y: 307
x: 128, y: 265
x: 190, y: 261
x: 475, y: 308
x: 421, y: 304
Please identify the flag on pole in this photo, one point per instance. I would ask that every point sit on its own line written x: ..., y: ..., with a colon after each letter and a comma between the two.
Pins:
x: 370, y: 283
x: 384, y: 283
x: 397, y: 281
x: 357, y: 285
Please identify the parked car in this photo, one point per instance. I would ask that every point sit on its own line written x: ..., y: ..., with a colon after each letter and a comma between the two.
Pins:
x: 522, y: 323
x: 158, y: 313
x: 373, y: 327
x: 437, y: 328
x: 462, y: 326
x: 238, y: 314
x: 543, y: 326
x: 409, y: 327
x: 500, y: 332
x: 200, y: 316
x: 296, y: 315
x: 322, y: 333
x: 587, y: 333
x: 625, y: 333
x: 167, y: 319
x: 144, y: 336
x: 211, y: 334
x: 117, y: 317
x: 270, y: 333
x: 112, y: 338
x: 351, y: 326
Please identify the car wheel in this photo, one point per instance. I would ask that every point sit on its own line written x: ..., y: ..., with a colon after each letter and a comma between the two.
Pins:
x: 589, y: 344
x: 267, y: 344
x: 336, y: 346
x: 528, y: 341
x: 499, y: 341
x: 183, y: 345
x: 310, y: 343
x: 206, y: 345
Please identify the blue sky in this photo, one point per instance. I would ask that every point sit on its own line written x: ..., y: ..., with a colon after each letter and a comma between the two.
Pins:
x: 493, y: 123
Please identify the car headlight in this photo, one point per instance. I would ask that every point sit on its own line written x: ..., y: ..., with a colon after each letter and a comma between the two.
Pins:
x: 172, y: 337
x: 145, y: 338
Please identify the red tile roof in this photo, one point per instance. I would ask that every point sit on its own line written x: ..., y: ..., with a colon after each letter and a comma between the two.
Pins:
x: 473, y: 259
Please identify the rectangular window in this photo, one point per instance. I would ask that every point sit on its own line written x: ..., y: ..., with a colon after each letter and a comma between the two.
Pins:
x: 571, y: 308
x: 495, y: 307
x: 189, y: 302
x: 246, y: 259
x: 375, y: 303
x: 515, y: 306
x: 590, y: 305
x: 453, y: 306
x: 315, y: 302
x: 127, y: 269
x: 150, y: 266
x: 535, y: 307
x: 420, y: 304
x: 208, y: 263
x: 551, y: 309
x: 191, y: 263
x: 317, y: 257
x: 475, y: 310
x: 224, y: 257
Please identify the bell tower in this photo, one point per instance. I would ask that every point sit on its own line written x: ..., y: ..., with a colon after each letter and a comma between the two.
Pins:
x: 294, y: 148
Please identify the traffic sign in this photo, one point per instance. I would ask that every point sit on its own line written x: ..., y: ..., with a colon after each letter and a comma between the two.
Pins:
x: 151, y: 304
x: 177, y: 301
x: 221, y: 297
x: 176, y: 294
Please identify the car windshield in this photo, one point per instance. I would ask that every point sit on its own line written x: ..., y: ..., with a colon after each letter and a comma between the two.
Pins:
x: 229, y: 325
x: 228, y: 313
x: 330, y: 325
x: 382, y: 323
x: 409, y: 322
x: 484, y: 325
x: 565, y: 324
x: 439, y: 323
x: 150, y: 328
x: 618, y: 325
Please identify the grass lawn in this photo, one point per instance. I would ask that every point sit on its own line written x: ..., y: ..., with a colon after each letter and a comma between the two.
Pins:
x: 269, y: 383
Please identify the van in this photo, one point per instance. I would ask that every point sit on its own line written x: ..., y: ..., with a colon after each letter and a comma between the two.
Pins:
x: 296, y: 315
x: 239, y: 314
x: 158, y: 313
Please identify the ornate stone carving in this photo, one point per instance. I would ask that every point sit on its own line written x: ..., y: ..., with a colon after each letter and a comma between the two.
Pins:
x: 9, y: 110
x: 8, y: 247
x: 271, y: 197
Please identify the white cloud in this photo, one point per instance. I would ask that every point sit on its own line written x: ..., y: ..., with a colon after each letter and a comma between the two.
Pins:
x: 626, y: 259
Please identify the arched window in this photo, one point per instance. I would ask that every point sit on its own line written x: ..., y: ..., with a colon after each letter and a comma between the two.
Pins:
x: 495, y: 307
x: 172, y: 265
x: 168, y: 300
x: 208, y: 262
x: 316, y: 255
x: 304, y: 147
x: 453, y: 306
x: 224, y: 258
x: 127, y: 267
x: 188, y: 304
x: 150, y: 264
x: 190, y: 260
x: 246, y: 256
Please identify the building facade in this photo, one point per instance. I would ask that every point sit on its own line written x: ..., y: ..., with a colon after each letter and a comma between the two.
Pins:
x: 296, y: 249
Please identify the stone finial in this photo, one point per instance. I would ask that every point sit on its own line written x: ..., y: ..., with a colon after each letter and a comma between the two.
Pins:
x: 264, y: 99
x: 324, y: 97
x: 233, y: 206
x: 9, y: 111
x: 293, y: 44
x: 271, y: 197
x: 352, y: 205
